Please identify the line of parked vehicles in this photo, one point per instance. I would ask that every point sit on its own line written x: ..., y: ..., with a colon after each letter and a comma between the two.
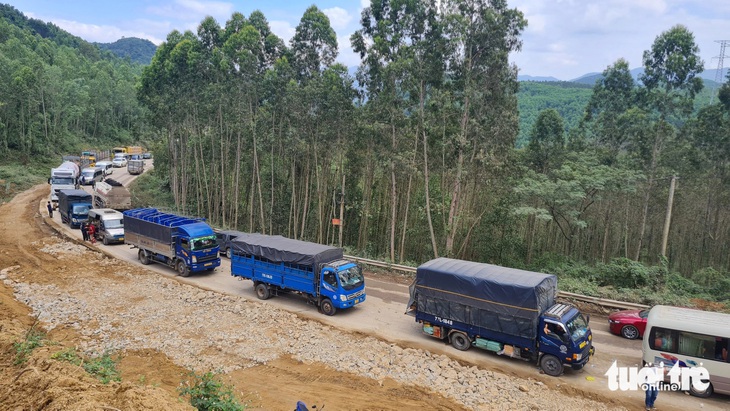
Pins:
x: 507, y: 311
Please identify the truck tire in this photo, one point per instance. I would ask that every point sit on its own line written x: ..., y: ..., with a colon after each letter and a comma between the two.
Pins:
x: 142, y: 257
x: 106, y: 241
x: 262, y: 291
x: 327, y: 307
x: 460, y: 341
x: 551, y: 365
x: 228, y: 253
x: 182, y: 269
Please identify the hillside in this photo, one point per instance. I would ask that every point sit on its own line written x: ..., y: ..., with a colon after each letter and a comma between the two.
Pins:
x: 569, y: 99
x: 137, y: 50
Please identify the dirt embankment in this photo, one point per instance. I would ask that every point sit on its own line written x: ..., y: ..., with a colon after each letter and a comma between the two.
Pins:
x: 162, y: 328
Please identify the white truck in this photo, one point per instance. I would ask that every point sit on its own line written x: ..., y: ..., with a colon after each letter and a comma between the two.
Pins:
x: 63, y: 177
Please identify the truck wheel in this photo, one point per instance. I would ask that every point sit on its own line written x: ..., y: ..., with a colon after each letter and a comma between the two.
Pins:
x: 142, y: 256
x: 228, y: 253
x: 106, y: 241
x: 262, y: 291
x: 551, y: 365
x: 327, y: 307
x: 460, y: 341
x: 182, y: 269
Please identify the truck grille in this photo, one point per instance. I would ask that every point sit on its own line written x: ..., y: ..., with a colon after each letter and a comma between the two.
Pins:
x: 207, y: 258
x: 357, y: 294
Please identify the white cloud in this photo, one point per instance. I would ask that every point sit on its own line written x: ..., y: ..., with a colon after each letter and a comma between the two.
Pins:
x: 346, y: 55
x: 283, y: 29
x: 187, y: 10
x: 339, y: 17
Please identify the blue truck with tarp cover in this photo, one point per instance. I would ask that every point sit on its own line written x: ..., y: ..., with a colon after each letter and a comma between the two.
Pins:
x: 186, y: 244
x: 74, y: 205
x: 505, y: 310
x: 278, y: 264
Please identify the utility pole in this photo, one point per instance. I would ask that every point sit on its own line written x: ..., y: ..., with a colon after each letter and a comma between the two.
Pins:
x: 668, y: 219
x: 718, y: 75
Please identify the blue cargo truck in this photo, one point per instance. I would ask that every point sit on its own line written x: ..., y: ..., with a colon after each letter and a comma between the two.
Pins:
x: 277, y: 264
x: 74, y: 205
x: 505, y: 310
x: 186, y: 244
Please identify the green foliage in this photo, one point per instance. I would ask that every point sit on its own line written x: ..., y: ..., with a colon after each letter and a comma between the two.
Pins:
x: 208, y: 393
x: 68, y: 355
x: 34, y: 338
x: 137, y: 50
x: 568, y: 99
x: 152, y: 189
x: 104, y: 368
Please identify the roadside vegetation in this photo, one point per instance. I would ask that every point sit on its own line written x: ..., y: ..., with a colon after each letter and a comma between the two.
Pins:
x: 431, y: 149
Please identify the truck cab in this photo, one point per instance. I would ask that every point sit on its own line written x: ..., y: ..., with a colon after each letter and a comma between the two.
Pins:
x: 343, y: 283
x: 564, y: 338
x: 196, y: 245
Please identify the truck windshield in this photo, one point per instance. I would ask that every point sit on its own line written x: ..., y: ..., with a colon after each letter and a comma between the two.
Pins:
x: 82, y: 209
x: 351, y: 278
x: 114, y: 223
x: 203, y: 243
x: 577, y: 327
x: 62, y: 180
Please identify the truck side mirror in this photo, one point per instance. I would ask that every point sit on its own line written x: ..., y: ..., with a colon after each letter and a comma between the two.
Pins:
x: 588, y: 319
x: 565, y: 337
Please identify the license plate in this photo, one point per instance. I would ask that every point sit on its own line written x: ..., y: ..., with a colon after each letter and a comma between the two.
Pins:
x: 357, y: 300
x: 121, y: 238
x: 207, y: 264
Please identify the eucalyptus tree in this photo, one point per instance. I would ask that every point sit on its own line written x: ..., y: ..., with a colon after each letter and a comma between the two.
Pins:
x: 480, y: 36
x: 386, y: 42
x: 314, y: 45
x: 670, y: 80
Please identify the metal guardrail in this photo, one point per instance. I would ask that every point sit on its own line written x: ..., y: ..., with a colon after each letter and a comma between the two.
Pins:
x: 604, y: 302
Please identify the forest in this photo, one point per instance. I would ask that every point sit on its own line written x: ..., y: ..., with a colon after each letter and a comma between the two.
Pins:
x: 421, y: 154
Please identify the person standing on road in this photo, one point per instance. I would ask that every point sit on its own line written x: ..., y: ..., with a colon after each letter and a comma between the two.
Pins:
x: 85, y: 231
x: 92, y: 233
x: 654, y: 378
x: 50, y: 209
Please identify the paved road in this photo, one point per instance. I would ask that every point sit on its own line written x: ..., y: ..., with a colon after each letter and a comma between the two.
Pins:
x: 382, y: 316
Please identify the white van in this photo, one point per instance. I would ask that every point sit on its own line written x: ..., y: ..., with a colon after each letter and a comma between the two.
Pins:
x: 107, y: 166
x: 91, y: 174
x: 109, y: 225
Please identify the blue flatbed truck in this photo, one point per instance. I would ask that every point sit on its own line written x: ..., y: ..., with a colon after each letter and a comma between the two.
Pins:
x: 504, y: 310
x: 186, y: 244
x: 277, y: 264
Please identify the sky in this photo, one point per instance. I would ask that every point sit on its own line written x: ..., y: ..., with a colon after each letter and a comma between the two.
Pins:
x: 564, y: 39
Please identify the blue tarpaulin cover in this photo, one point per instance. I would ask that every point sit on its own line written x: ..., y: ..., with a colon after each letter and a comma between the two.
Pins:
x: 497, y: 298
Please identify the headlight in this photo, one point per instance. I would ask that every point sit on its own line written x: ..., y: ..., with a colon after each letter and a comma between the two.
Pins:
x: 343, y: 297
x: 195, y: 260
x: 75, y: 220
x: 577, y: 357
x: 218, y: 254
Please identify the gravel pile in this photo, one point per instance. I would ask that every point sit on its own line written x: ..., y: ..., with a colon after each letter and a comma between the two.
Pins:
x: 202, y: 330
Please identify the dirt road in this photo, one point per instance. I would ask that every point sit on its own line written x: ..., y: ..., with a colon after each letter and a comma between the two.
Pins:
x: 274, y: 352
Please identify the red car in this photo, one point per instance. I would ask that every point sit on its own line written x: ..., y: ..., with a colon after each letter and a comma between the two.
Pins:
x: 629, y: 323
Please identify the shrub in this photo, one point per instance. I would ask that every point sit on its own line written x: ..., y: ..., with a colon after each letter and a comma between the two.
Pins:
x: 33, y: 339
x: 104, y: 368
x: 208, y: 393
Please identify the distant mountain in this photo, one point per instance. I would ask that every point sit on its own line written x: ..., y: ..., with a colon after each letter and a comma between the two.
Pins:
x: 138, y: 50
x: 590, y: 78
x: 524, y: 77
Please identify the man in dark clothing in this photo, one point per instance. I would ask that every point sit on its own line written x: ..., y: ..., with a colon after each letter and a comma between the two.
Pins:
x: 85, y: 231
x: 50, y: 209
